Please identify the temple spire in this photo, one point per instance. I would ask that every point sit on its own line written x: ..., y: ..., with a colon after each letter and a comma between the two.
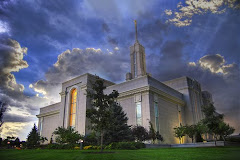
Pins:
x: 136, y: 39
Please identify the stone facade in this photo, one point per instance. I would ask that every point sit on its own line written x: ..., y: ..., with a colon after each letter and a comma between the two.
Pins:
x: 143, y: 98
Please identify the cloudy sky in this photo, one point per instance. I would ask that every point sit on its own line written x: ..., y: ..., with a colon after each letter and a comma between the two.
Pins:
x: 44, y: 43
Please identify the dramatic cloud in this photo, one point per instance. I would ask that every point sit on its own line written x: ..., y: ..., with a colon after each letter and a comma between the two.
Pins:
x: 212, y: 71
x: 183, y: 16
x: 222, y: 80
x: 111, y: 65
x: 11, y: 60
x: 16, y: 129
x: 21, y: 108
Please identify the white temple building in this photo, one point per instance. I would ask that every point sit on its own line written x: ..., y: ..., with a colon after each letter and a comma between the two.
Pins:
x: 143, y: 98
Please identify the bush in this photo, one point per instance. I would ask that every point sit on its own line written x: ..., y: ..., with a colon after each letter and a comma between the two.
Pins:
x: 233, y: 139
x: 91, y: 147
x: 126, y: 145
x: 139, y: 145
x: 62, y: 146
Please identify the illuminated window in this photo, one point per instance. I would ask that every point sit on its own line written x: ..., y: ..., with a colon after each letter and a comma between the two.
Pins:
x: 73, y: 108
x: 139, y: 113
x: 156, y: 116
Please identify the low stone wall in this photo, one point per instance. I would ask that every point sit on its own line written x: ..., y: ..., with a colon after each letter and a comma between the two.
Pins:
x: 185, y: 145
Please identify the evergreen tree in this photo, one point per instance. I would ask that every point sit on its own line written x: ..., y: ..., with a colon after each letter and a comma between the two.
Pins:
x: 100, y: 112
x: 34, y: 139
x: 119, y: 130
x: 3, y: 107
x: 17, y: 142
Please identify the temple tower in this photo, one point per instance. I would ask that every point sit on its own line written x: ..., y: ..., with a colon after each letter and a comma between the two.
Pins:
x: 138, y: 61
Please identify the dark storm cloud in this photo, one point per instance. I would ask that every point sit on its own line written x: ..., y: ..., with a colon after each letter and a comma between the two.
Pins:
x: 18, y: 118
x: 11, y: 60
x: 170, y: 63
x: 153, y: 32
x: 227, y: 39
x: 105, y: 27
x: 215, y: 75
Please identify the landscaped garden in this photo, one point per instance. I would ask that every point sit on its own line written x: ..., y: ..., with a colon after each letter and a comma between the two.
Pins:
x: 218, y: 153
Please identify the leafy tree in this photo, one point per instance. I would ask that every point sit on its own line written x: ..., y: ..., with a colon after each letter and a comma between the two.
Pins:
x: 215, y: 123
x: 153, y: 135
x: 118, y: 130
x: 3, y: 107
x: 191, y: 131
x: 201, y: 129
x: 140, y: 133
x: 100, y: 112
x: 67, y: 135
x: 225, y: 130
x: 179, y: 132
x: 34, y: 139
x: 212, y: 120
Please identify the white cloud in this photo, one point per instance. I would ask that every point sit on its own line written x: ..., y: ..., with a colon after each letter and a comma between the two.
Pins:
x: 183, y: 16
x: 79, y: 61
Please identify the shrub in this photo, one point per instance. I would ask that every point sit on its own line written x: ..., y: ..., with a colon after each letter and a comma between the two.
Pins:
x: 87, y: 147
x: 233, y: 139
x: 77, y: 148
x: 126, y: 145
x: 91, y: 147
x: 139, y: 145
x: 62, y: 146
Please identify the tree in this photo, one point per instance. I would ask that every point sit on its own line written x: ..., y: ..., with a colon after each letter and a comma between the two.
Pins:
x: 212, y: 120
x: 100, y: 112
x: 17, y: 142
x: 67, y: 135
x: 34, y: 139
x: 140, y: 133
x: 118, y: 130
x: 191, y: 131
x: 225, y: 130
x: 179, y: 132
x: 153, y: 135
x: 3, y: 107
x: 201, y: 129
x: 215, y: 123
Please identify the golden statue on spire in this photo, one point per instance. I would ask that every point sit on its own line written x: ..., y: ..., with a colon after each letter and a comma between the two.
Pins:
x: 135, y: 22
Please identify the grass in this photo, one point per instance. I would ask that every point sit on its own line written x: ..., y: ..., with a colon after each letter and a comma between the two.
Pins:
x: 214, y: 153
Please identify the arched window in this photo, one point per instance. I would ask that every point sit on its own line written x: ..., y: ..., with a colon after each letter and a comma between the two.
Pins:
x: 73, y: 107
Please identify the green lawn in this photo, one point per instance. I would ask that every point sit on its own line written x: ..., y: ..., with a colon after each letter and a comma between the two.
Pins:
x: 224, y: 153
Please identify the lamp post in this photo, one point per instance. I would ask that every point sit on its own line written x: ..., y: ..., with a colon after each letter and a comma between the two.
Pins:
x: 81, y: 144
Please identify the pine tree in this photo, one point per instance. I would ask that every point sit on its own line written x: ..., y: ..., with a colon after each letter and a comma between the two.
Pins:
x: 100, y: 112
x: 119, y: 130
x: 34, y: 139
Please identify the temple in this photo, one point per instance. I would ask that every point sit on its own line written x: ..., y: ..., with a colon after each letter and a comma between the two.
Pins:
x: 143, y: 98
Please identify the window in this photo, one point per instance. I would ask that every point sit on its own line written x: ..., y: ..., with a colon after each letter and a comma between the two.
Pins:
x: 179, y: 118
x: 73, y: 108
x: 156, y: 116
x: 40, y: 125
x: 135, y: 64
x: 138, y: 113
